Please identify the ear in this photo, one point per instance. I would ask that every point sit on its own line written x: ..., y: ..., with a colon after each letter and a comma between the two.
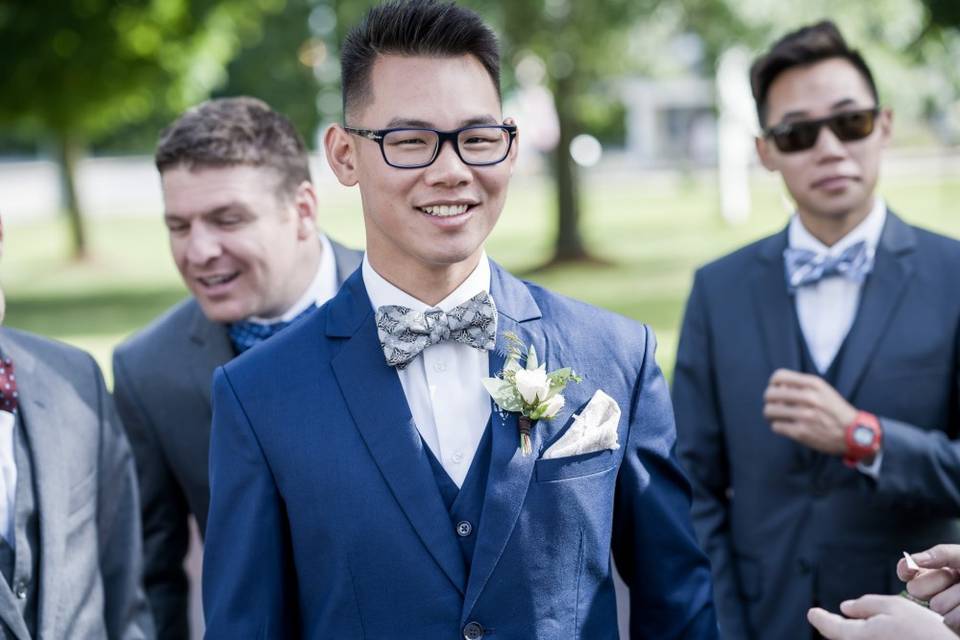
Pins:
x: 765, y: 153
x: 340, y: 149
x: 886, y: 125
x: 305, y: 205
x: 515, y: 148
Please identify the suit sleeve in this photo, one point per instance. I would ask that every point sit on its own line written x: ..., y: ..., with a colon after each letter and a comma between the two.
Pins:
x: 126, y: 611
x: 921, y: 467
x: 654, y: 544
x: 164, y: 514
x: 248, y: 577
x: 703, y: 453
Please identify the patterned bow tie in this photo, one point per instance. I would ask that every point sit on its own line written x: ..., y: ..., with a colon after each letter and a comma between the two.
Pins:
x: 8, y: 386
x: 404, y: 333
x: 805, y: 267
x: 246, y: 334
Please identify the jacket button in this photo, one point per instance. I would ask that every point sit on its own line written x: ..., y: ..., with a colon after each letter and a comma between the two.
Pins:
x: 473, y: 631
x: 20, y: 590
x: 464, y: 529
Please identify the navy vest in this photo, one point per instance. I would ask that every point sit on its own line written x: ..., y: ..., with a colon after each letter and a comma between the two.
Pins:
x: 465, y: 504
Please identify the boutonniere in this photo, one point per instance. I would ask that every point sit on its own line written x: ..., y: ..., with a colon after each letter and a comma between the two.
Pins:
x: 524, y: 386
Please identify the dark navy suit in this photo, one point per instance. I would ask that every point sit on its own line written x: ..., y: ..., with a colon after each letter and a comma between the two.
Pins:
x: 328, y: 518
x: 786, y: 527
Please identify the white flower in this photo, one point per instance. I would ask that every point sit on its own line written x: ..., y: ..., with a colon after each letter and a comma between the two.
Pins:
x: 533, y: 384
x: 553, y: 407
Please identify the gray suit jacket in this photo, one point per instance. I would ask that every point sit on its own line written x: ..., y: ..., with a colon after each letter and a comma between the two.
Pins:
x: 90, y: 543
x: 162, y: 378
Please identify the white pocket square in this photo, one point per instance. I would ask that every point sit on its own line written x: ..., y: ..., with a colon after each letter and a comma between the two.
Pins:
x: 595, y: 429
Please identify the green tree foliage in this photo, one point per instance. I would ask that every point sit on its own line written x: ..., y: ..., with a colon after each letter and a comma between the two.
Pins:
x: 75, y: 70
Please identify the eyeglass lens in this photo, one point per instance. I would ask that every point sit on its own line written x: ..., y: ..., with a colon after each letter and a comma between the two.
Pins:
x: 418, y: 147
x: 802, y: 135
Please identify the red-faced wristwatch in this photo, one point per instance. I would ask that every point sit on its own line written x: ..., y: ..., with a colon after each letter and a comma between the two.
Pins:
x: 863, y: 437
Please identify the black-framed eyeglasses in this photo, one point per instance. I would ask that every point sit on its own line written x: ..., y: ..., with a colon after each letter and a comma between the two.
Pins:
x: 801, y: 135
x: 414, y: 148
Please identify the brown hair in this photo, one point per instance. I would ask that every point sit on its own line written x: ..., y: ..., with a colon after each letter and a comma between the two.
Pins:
x: 235, y: 131
x: 805, y: 46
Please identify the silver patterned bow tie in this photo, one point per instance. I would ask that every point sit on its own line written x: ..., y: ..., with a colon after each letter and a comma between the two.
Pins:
x: 805, y: 267
x: 404, y: 333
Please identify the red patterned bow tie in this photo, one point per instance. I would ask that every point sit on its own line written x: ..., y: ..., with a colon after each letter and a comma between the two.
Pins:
x: 8, y: 386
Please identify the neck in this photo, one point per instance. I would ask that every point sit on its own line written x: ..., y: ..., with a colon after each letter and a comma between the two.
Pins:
x: 428, y: 284
x: 831, y: 229
x: 308, y: 263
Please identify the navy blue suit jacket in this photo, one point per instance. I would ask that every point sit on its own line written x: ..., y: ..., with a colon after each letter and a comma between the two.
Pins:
x: 784, y: 526
x: 326, y: 520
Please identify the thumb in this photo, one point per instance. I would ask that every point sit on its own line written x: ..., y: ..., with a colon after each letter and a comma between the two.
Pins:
x: 868, y: 606
x: 940, y: 556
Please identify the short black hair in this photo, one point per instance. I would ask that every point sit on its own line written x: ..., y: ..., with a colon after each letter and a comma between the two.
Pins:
x: 413, y: 28
x: 805, y: 46
x: 228, y: 132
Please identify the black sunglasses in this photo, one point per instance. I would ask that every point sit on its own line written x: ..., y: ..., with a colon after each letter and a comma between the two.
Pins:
x: 801, y: 135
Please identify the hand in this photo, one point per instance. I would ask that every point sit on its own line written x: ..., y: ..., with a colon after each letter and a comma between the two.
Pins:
x: 880, y: 618
x: 805, y: 408
x: 937, y: 581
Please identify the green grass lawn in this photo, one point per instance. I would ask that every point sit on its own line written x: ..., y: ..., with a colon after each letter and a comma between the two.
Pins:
x: 653, y: 233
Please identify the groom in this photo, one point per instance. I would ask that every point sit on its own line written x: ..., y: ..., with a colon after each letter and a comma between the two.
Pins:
x: 362, y: 483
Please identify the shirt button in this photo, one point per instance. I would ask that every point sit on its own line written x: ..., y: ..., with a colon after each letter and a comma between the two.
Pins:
x: 473, y: 631
x: 457, y: 457
x: 440, y: 367
x: 20, y: 590
x: 464, y: 528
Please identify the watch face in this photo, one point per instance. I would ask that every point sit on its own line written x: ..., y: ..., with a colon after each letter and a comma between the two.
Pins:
x: 863, y: 436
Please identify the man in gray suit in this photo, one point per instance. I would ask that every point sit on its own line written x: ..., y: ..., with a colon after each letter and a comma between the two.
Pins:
x: 240, y: 211
x: 70, y: 549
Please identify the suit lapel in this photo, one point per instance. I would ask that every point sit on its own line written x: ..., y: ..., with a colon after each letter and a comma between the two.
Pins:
x: 379, y: 408
x: 43, y: 404
x: 775, y: 307
x: 882, y: 293
x: 510, y: 471
x: 210, y: 348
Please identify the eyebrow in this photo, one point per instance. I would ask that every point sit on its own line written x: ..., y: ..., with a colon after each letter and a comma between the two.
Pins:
x: 423, y: 124
x: 230, y: 207
x: 839, y: 104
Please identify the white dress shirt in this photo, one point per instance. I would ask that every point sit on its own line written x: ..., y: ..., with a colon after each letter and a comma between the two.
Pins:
x: 446, y: 398
x: 826, y: 310
x: 8, y: 476
x: 323, y: 287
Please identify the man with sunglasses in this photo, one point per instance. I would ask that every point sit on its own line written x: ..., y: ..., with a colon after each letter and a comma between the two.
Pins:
x: 362, y: 482
x: 817, y: 379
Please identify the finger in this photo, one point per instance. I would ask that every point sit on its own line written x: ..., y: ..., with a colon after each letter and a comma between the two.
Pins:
x: 834, y: 627
x: 930, y: 582
x: 779, y: 411
x: 786, y: 428
x: 905, y: 573
x: 942, y: 555
x: 952, y: 619
x: 789, y: 377
x: 870, y: 605
x: 791, y: 396
x: 946, y: 601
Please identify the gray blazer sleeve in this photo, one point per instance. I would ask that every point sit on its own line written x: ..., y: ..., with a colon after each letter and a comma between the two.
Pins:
x: 126, y: 611
x: 164, y: 515
x: 702, y: 451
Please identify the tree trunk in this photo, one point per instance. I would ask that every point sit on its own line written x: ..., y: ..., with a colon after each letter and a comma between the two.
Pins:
x: 569, y: 243
x: 69, y: 153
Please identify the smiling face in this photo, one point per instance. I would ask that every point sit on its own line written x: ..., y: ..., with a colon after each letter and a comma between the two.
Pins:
x: 426, y: 224
x: 833, y: 180
x: 242, y: 249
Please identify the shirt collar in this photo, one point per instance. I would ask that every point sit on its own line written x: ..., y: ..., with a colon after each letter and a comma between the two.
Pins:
x: 323, y: 287
x: 868, y: 230
x: 382, y: 292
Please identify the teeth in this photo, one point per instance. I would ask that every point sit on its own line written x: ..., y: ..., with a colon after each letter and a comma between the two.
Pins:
x: 444, y: 211
x: 215, y: 280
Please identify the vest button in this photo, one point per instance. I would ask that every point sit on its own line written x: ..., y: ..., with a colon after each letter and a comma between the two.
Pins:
x: 464, y: 528
x: 20, y: 590
x: 473, y: 631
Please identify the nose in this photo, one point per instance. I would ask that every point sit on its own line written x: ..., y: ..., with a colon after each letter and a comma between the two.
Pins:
x: 202, y: 245
x: 829, y: 146
x: 448, y: 169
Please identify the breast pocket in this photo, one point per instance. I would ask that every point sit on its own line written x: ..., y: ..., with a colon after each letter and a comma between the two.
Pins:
x: 573, y: 467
